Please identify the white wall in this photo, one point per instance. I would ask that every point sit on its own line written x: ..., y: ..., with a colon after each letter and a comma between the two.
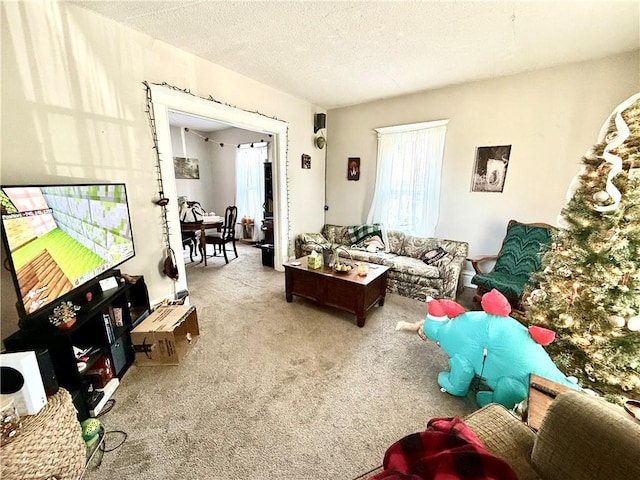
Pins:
x: 199, y: 189
x: 216, y: 187
x: 72, y: 89
x: 550, y: 117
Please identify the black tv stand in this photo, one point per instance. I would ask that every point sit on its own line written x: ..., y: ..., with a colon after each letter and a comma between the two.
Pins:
x: 129, y: 301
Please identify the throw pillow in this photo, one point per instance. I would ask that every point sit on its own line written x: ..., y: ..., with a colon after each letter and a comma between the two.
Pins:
x: 432, y: 256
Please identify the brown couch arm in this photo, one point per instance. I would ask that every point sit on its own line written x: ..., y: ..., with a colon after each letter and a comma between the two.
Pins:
x: 505, y: 436
x: 587, y: 438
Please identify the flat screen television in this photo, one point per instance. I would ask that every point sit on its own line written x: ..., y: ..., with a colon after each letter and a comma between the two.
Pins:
x: 60, y: 237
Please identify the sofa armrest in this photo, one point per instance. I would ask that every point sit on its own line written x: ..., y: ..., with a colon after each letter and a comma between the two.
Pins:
x: 505, y: 436
x: 451, y: 271
x: 587, y: 438
x: 297, y: 246
x: 451, y: 274
x: 305, y: 242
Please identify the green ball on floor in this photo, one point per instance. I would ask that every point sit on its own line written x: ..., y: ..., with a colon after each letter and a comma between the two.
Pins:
x: 90, y: 431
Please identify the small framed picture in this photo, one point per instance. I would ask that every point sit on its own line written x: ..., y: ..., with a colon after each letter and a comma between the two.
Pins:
x: 306, y: 161
x: 186, y: 168
x: 353, y: 168
x: 490, y: 170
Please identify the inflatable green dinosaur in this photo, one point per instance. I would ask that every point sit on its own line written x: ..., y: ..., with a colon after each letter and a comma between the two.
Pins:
x: 491, y: 346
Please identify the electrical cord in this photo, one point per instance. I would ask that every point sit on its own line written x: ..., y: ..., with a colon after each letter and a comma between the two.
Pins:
x: 104, y: 444
x: 108, y: 406
x: 366, y: 474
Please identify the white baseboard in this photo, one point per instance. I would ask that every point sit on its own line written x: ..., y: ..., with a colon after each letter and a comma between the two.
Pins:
x: 467, y: 275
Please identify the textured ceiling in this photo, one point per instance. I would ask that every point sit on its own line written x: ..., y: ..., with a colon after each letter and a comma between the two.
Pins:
x: 343, y: 53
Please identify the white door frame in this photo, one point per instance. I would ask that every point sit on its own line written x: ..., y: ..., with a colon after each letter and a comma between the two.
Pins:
x: 165, y: 99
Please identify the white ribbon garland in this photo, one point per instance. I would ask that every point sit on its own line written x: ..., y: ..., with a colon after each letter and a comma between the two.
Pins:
x: 615, y: 161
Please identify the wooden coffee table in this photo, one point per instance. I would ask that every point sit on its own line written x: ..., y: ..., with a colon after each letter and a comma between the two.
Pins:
x: 346, y: 291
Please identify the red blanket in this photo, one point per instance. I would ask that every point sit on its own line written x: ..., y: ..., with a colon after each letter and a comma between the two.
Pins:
x: 447, y: 450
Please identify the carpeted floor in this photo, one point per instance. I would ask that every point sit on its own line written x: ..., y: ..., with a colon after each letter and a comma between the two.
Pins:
x: 274, y: 389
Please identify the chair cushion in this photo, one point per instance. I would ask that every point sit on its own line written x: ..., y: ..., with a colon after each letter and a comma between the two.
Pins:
x: 509, y: 285
x: 520, y: 254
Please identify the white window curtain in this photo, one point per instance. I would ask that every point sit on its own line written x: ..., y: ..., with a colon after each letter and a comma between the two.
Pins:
x: 407, y: 191
x: 250, y: 183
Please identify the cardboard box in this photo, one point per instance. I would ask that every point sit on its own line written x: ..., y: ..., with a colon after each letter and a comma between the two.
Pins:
x: 165, y: 336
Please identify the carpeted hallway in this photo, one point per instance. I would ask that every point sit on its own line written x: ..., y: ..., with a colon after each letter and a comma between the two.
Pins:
x: 275, y: 390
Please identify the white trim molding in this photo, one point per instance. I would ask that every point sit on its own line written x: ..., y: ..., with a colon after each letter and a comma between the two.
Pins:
x: 410, y: 127
x: 166, y: 99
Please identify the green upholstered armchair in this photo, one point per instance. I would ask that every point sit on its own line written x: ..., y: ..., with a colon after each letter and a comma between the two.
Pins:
x: 519, y: 256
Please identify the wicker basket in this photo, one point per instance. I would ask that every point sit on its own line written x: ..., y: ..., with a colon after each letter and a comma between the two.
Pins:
x: 49, y: 444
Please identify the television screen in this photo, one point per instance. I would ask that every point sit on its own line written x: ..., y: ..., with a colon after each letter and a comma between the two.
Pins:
x: 60, y: 237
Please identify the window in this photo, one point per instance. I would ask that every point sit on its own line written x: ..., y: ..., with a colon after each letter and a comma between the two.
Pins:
x: 250, y: 182
x: 407, y: 191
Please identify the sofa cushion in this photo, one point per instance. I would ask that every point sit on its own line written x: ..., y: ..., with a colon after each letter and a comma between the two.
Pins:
x: 314, y: 239
x: 336, y: 234
x: 586, y: 438
x: 416, y: 247
x: 396, y: 239
x: 412, y: 267
x: 363, y: 256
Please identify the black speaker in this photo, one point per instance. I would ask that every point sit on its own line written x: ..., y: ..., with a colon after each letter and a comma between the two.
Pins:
x: 48, y: 374
x: 11, y: 380
x: 319, y: 122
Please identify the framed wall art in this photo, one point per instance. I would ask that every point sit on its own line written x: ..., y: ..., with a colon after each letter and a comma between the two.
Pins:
x: 490, y: 170
x: 353, y: 168
x: 306, y: 161
x: 186, y: 168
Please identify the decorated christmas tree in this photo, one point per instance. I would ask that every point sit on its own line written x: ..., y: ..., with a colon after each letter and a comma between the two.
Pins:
x: 588, y: 290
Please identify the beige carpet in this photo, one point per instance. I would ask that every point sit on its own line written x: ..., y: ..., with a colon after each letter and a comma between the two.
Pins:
x: 274, y: 389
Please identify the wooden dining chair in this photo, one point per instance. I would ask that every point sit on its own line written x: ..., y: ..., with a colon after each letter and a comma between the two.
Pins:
x: 189, y: 240
x: 226, y: 235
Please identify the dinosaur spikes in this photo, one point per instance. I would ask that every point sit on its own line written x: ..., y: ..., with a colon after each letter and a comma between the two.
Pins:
x: 495, y: 303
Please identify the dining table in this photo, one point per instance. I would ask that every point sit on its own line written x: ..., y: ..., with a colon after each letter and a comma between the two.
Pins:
x: 208, y: 222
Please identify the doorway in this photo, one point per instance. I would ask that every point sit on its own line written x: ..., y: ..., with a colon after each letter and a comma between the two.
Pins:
x: 164, y: 100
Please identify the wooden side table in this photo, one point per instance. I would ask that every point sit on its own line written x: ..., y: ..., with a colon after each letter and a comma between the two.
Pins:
x: 49, y: 444
x: 542, y: 393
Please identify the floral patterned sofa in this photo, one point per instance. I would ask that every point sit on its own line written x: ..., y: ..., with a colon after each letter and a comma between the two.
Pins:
x: 408, y: 275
